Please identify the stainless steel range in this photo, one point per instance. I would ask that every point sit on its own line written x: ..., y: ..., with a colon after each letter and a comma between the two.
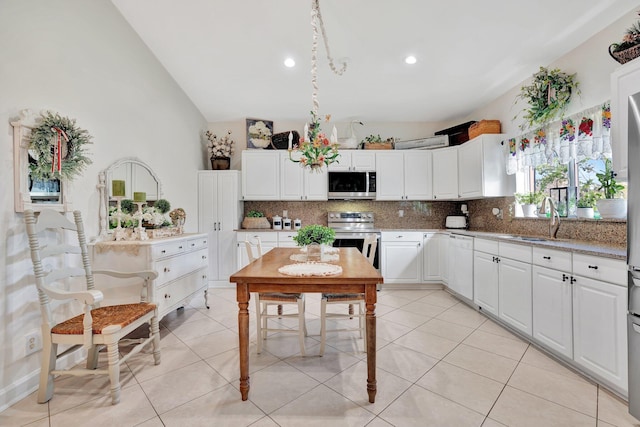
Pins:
x: 351, y: 229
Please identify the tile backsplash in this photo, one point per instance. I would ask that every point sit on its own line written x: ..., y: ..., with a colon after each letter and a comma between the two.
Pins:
x: 432, y: 215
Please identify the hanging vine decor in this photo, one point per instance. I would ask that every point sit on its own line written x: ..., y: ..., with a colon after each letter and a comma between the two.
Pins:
x: 548, y: 96
x: 58, y: 147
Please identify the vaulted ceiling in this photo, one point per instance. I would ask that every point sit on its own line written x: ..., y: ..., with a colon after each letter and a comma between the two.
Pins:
x: 228, y: 55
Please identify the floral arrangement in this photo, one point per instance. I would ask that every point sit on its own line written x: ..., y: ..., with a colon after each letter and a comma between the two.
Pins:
x: 630, y: 39
x: 317, y: 150
x: 178, y: 215
x: 260, y: 134
x: 151, y: 216
x: 548, y: 96
x: 219, y: 146
x: 314, y: 233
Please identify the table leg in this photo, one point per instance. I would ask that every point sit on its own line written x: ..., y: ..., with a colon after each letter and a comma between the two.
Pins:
x: 243, y: 334
x: 370, y: 301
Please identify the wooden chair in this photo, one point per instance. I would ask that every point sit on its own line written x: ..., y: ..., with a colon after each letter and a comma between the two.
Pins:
x: 369, y: 251
x: 264, y: 300
x: 98, y: 326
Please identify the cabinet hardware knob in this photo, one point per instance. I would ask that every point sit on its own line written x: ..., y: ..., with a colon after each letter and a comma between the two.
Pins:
x: 179, y: 247
x: 595, y: 267
x: 167, y: 269
x: 573, y: 280
x: 167, y: 296
x: 546, y: 257
x: 498, y: 259
x: 204, y: 257
x: 193, y: 244
x: 204, y: 276
x: 163, y: 251
x: 564, y: 277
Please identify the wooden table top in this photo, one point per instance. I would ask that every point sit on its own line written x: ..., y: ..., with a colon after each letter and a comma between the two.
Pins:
x: 356, y: 271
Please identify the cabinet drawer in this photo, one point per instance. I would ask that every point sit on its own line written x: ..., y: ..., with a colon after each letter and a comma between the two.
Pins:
x: 269, y: 237
x: 515, y: 251
x: 197, y: 243
x: 552, y: 258
x: 604, y: 269
x: 176, y: 292
x: 401, y: 236
x: 172, y: 268
x: 168, y: 249
x: 484, y: 245
x: 285, y: 238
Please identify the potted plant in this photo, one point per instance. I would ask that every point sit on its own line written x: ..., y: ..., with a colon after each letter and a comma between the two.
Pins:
x: 629, y: 48
x: 612, y: 205
x: 314, y: 233
x: 529, y: 202
x: 375, y: 142
x: 255, y: 219
x: 587, y: 203
x: 220, y: 150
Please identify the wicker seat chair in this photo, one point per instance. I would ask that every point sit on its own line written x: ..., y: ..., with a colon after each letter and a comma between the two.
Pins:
x: 264, y: 300
x: 97, y: 326
x: 369, y: 251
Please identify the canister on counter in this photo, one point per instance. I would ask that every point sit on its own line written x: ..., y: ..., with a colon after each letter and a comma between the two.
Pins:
x: 297, y: 224
x: 277, y: 222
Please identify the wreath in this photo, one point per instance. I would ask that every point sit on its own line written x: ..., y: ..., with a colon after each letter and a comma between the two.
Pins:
x: 58, y: 148
x: 548, y: 96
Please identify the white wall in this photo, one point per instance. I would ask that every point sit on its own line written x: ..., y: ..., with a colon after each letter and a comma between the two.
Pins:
x: 591, y: 62
x: 81, y: 59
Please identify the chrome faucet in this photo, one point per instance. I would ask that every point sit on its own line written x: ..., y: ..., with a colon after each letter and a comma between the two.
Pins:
x: 554, y: 217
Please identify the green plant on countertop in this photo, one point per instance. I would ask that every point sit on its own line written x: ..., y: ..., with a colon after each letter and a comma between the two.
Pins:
x: 162, y: 205
x: 588, y: 199
x: 314, y: 233
x: 254, y: 214
x: 608, y: 185
x: 529, y: 198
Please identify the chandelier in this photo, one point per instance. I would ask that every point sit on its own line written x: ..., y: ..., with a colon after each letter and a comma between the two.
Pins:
x: 316, y: 149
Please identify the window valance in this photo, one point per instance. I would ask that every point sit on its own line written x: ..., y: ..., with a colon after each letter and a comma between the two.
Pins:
x: 584, y: 135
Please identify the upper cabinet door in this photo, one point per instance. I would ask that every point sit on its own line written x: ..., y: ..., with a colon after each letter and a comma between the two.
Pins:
x: 418, y: 177
x: 260, y: 175
x: 291, y: 177
x: 344, y: 162
x: 470, y: 163
x: 625, y: 81
x: 389, y: 176
x: 363, y: 160
x: 445, y: 173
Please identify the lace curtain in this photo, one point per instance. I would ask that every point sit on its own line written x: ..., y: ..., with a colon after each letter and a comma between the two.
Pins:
x: 580, y: 136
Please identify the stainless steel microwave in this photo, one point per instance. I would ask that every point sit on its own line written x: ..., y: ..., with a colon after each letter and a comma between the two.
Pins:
x: 352, y: 185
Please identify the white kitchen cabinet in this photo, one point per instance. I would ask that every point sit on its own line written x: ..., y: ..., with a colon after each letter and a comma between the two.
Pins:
x: 180, y: 261
x: 401, y: 256
x: 444, y: 258
x: 260, y: 175
x: 268, y: 241
x: 415, y: 181
x: 600, y: 327
x: 625, y: 81
x: 219, y: 214
x: 355, y: 160
x: 514, y: 302
x: 486, y: 275
x: 481, y: 169
x: 285, y: 239
x: 461, y: 265
x: 297, y: 183
x: 445, y: 173
x: 552, y: 309
x: 431, y: 259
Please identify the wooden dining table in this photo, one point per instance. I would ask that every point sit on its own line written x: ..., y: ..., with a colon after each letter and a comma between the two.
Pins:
x: 262, y: 275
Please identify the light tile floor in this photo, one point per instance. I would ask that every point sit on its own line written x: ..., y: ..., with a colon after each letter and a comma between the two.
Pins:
x: 440, y: 363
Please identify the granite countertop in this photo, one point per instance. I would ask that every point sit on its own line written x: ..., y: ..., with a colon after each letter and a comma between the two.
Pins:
x: 577, y: 246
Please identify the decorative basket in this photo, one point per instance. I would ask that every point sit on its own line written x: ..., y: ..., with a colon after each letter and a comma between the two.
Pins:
x: 378, y: 146
x: 261, y: 222
x: 626, y: 55
x: 484, y: 126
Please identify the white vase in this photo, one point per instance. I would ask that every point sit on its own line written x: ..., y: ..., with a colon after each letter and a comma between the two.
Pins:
x: 612, y: 208
x: 529, y: 210
x: 585, y: 213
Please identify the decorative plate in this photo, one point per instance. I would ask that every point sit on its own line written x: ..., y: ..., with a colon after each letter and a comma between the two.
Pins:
x: 310, y: 269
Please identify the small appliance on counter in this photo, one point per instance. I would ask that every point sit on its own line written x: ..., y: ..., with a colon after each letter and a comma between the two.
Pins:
x: 456, y: 222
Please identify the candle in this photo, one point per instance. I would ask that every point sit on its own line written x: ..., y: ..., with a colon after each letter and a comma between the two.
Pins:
x: 117, y: 188
x: 140, y: 196
x: 290, y: 140
x: 334, y: 136
x: 305, y: 135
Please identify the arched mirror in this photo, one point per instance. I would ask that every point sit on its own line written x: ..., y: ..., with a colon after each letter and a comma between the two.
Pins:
x: 137, y: 177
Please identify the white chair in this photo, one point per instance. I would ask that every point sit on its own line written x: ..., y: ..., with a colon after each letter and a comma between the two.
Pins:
x: 98, y: 326
x: 369, y: 251
x: 264, y: 300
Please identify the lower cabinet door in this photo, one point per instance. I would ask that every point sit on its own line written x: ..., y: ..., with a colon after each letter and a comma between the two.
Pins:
x: 514, y: 304
x: 486, y: 282
x: 401, y: 262
x: 600, y: 329
x: 552, y: 314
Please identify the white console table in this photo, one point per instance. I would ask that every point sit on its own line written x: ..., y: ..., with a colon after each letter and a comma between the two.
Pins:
x: 181, y: 263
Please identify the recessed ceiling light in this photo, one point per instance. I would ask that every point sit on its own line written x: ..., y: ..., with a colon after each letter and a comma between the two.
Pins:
x: 410, y: 59
x: 289, y: 62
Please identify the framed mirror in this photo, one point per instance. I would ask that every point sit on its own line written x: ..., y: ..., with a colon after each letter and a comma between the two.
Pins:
x: 137, y: 177
x: 35, y: 194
